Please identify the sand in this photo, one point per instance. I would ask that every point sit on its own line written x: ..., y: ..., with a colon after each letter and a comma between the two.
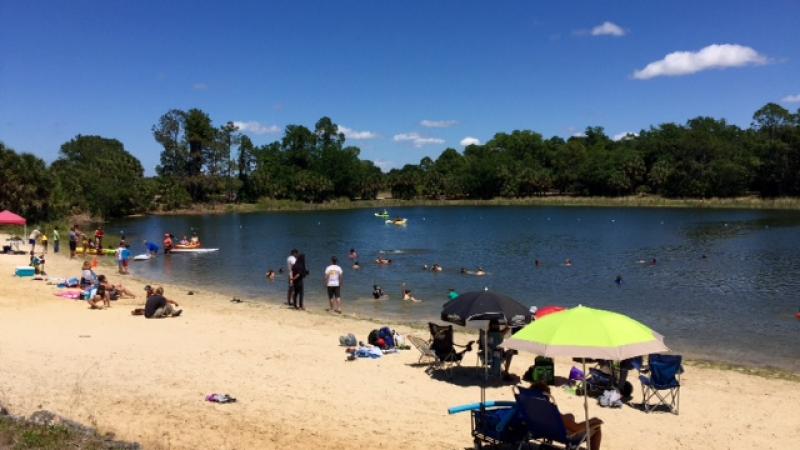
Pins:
x: 145, y: 380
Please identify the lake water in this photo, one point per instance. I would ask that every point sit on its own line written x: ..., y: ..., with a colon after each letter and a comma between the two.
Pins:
x: 736, y: 304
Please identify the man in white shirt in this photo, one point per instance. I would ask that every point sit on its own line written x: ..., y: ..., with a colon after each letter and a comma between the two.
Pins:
x: 289, y: 264
x: 333, y: 281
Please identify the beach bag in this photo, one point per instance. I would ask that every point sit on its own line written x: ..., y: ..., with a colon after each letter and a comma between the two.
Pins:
x: 575, y: 375
x: 348, y: 341
x: 373, y: 337
x: 610, y: 399
x: 387, y: 335
x: 399, y: 340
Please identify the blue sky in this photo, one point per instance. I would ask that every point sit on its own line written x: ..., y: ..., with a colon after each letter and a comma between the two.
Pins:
x: 407, y: 79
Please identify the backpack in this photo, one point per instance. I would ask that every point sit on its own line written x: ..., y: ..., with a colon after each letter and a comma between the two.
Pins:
x: 542, y: 370
x: 348, y: 341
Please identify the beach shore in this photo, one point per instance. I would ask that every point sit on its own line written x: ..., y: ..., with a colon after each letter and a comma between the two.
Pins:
x: 146, y: 380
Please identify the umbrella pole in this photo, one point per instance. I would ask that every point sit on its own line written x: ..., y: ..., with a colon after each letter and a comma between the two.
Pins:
x: 586, y: 406
x: 485, y: 372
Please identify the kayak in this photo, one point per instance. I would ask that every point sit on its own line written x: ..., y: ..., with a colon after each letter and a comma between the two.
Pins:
x: 193, y: 250
x: 92, y: 251
x: 382, y: 215
x: 186, y: 246
x: 397, y: 221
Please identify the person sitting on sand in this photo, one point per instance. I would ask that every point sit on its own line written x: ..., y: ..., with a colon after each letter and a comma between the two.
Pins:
x: 271, y: 275
x: 37, y: 262
x: 377, y: 292
x: 569, y: 419
x: 158, y: 306
x: 408, y: 297
x: 383, y: 261
x: 88, y: 277
x: 101, y: 299
x: 117, y: 291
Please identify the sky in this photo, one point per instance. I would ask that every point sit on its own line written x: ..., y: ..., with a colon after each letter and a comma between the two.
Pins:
x: 403, y: 80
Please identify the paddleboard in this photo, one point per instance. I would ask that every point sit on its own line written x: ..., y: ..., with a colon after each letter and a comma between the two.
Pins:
x: 193, y: 250
x: 142, y: 257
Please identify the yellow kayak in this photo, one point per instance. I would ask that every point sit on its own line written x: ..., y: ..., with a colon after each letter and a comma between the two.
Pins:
x: 92, y: 251
x: 397, y: 221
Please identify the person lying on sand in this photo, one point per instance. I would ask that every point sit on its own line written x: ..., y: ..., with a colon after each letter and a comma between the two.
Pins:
x: 158, y: 306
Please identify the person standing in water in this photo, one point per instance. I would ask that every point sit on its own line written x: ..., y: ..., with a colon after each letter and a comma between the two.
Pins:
x: 299, y: 272
x: 290, y: 260
x: 333, y: 282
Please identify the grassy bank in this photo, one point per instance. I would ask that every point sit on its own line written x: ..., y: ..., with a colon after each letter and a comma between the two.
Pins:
x: 603, y: 202
x: 46, y: 432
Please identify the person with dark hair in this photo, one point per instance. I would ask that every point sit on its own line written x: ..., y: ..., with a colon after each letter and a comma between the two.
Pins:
x: 377, y: 292
x: 290, y: 260
x: 299, y: 272
x: 333, y: 281
x: 569, y: 419
x: 157, y: 306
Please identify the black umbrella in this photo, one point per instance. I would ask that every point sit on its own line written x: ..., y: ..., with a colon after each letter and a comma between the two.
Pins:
x: 486, y: 305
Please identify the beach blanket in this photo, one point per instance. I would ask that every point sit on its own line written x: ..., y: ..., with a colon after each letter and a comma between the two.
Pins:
x: 70, y: 294
x: 368, y: 352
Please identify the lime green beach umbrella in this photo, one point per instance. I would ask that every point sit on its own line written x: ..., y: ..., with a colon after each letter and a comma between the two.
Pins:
x: 583, y: 332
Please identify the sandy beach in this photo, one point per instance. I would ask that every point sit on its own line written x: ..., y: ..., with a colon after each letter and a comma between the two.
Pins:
x: 145, y: 380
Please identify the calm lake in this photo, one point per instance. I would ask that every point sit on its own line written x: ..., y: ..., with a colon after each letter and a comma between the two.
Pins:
x: 724, y: 286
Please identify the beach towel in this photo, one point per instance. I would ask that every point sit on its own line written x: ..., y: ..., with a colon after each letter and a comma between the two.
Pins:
x: 71, y: 295
x: 368, y: 352
x: 220, y: 398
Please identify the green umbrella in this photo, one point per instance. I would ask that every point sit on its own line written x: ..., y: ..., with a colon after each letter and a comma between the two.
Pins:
x: 583, y: 332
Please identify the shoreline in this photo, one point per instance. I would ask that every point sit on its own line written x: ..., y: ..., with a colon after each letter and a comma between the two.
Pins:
x: 271, y: 205
x: 145, y: 380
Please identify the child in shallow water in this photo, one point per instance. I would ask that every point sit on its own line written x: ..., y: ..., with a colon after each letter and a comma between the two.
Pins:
x: 408, y: 297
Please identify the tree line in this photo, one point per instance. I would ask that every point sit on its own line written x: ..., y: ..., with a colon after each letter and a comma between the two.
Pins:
x: 203, y: 162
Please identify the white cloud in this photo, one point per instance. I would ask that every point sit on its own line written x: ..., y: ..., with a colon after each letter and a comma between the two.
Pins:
x: 579, y: 134
x: 469, y: 140
x: 384, y: 165
x: 791, y: 99
x: 608, y: 29
x: 350, y: 133
x: 417, y: 139
x: 624, y: 135
x: 715, y: 56
x: 200, y: 87
x: 438, y: 123
x: 253, y: 127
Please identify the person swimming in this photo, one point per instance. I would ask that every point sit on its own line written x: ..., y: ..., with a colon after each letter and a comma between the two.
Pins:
x: 353, y: 254
x: 433, y: 268
x: 356, y: 265
x: 537, y: 263
x: 567, y: 262
x: 480, y: 272
x: 377, y: 292
x: 477, y: 272
x: 383, y: 261
x: 618, y: 280
x: 408, y: 297
x: 271, y: 275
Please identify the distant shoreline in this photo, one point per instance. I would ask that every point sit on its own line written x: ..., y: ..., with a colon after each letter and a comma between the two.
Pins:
x: 751, y: 203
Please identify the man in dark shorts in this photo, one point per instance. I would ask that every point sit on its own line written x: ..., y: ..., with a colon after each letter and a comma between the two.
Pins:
x: 158, y: 306
x: 333, y: 281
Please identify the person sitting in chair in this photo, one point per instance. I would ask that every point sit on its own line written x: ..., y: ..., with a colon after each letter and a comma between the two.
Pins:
x: 569, y: 419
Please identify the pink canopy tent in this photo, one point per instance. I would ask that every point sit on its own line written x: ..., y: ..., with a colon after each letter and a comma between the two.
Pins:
x: 9, y: 218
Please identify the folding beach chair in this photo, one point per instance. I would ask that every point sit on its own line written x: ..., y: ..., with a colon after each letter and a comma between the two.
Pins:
x: 664, y: 374
x: 544, y: 421
x: 447, y: 356
x: 424, y: 347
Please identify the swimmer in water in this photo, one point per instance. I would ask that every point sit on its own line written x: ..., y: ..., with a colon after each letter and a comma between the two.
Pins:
x: 480, y: 272
x: 567, y: 262
x: 353, y: 254
x: 377, y: 292
x: 356, y: 265
x: 537, y: 263
x: 433, y: 268
x: 383, y: 261
x: 653, y: 262
x: 408, y: 297
x: 618, y: 280
x: 271, y: 275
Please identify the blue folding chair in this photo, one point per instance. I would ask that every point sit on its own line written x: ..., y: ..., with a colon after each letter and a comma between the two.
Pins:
x: 544, y: 421
x: 663, y: 381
